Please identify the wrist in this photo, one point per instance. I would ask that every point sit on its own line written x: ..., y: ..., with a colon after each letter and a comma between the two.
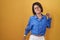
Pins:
x: 24, y: 35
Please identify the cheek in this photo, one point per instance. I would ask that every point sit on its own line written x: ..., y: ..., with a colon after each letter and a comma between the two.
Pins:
x: 35, y: 10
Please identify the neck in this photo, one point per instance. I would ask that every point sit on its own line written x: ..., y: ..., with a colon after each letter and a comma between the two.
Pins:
x: 39, y: 16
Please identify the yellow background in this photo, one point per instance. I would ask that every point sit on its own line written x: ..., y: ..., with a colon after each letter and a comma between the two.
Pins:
x: 14, y: 16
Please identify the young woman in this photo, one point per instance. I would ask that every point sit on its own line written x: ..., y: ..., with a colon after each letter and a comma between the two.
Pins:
x: 37, y: 23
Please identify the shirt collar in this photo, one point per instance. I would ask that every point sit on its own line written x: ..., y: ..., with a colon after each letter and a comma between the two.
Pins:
x: 37, y: 17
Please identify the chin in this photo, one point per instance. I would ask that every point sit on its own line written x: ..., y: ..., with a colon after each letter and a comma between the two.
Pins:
x: 38, y: 12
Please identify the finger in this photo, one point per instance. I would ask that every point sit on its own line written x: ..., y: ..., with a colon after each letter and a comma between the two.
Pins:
x: 47, y: 14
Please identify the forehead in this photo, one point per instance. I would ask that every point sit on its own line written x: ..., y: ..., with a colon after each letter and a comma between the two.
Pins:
x: 36, y: 6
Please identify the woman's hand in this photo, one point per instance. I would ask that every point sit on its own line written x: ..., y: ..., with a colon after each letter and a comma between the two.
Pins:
x: 48, y: 15
x: 24, y: 38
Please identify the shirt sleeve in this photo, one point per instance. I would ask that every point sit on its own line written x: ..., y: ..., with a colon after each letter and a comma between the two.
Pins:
x: 29, y: 27
x: 48, y: 22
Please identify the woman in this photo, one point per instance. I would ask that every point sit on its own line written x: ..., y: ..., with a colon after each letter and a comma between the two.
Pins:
x: 37, y: 23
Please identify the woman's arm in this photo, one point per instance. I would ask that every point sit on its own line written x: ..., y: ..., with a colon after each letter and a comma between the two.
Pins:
x: 49, y: 18
x: 29, y: 27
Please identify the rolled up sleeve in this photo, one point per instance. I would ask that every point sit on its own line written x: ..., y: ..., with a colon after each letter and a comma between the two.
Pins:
x: 48, y: 23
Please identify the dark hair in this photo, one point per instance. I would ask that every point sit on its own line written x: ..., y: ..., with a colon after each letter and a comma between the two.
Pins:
x: 36, y: 3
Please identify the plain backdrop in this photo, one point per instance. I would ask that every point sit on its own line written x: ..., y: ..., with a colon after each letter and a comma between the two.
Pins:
x: 14, y: 16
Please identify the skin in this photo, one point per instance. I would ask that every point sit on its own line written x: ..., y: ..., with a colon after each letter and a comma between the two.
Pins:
x: 38, y: 12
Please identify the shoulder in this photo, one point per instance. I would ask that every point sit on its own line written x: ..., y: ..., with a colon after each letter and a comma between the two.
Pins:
x: 45, y: 16
x: 32, y: 16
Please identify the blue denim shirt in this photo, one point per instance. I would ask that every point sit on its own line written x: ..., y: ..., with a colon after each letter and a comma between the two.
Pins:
x: 37, y: 26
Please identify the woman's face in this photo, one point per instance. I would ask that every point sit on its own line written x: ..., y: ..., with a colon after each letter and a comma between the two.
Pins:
x: 37, y: 9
